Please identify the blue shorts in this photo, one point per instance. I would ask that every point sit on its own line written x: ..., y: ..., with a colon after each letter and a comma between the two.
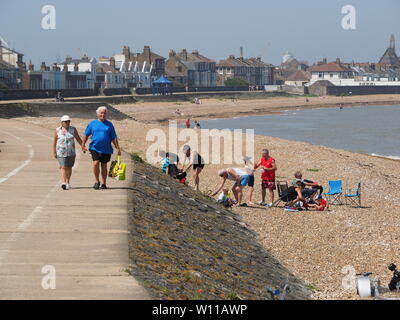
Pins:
x: 244, y: 181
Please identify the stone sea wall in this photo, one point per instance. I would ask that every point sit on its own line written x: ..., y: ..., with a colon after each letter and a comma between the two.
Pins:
x: 184, y: 245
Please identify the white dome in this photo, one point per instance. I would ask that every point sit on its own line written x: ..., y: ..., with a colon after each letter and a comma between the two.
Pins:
x: 287, y: 57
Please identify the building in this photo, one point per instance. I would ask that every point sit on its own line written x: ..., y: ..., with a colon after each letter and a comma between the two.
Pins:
x: 81, y: 73
x: 390, y: 57
x: 289, y: 66
x: 252, y: 70
x: 341, y: 74
x: 298, y: 79
x: 107, y: 76
x: 263, y: 72
x: 84, y: 64
x: 139, y: 70
x: 11, y: 66
x: 56, y: 78
x: 191, y: 69
x: 146, y: 61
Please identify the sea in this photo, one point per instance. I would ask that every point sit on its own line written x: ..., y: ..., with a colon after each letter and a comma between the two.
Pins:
x: 373, y: 130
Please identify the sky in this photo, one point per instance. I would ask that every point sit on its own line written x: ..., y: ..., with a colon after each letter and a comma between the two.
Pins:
x: 309, y: 29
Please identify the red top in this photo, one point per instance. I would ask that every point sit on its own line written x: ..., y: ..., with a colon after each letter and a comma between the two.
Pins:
x: 267, y: 175
x: 187, y: 123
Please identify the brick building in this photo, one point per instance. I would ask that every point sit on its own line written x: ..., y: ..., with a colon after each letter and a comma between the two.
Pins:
x: 191, y: 69
x: 253, y: 70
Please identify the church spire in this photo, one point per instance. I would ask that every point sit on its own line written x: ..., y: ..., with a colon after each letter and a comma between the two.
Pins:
x: 392, y: 44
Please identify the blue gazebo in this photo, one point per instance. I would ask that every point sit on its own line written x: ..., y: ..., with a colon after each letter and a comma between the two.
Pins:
x: 162, y: 86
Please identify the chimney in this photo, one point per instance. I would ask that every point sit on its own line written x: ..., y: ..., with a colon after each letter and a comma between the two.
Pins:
x: 43, y: 66
x: 337, y: 60
x: 76, y: 66
x: 126, y: 51
x: 195, y: 53
x: 68, y: 59
x: 112, y: 62
x: 30, y: 66
x: 146, y: 54
x: 54, y: 67
x: 65, y: 67
x: 184, y: 54
x: 172, y: 53
x: 324, y: 61
x: 241, y: 52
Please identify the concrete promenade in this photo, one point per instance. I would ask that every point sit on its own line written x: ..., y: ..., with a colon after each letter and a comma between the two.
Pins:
x: 80, y: 234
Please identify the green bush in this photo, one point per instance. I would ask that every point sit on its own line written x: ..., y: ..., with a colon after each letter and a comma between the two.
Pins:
x: 235, y: 82
x: 135, y: 157
x: 3, y: 85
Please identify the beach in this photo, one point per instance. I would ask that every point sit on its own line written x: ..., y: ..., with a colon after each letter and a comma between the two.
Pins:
x: 315, y: 246
x: 159, y: 112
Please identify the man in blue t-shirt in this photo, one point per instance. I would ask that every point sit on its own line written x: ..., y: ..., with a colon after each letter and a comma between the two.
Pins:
x: 103, y: 134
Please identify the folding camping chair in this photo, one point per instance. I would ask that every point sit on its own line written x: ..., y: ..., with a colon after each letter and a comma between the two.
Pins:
x: 281, y: 186
x: 334, y: 195
x: 353, y: 196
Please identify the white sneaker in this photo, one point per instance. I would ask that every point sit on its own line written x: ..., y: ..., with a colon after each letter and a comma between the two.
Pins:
x: 67, y: 186
x: 269, y: 205
x: 261, y: 203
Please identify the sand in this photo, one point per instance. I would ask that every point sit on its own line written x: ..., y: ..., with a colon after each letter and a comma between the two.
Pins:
x: 159, y: 112
x: 315, y: 246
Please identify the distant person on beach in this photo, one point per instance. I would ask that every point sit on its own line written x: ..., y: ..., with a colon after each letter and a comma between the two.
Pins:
x: 103, y: 135
x: 187, y: 123
x: 241, y: 179
x: 249, y: 169
x: 178, y: 112
x: 196, y: 161
x: 294, y: 195
x: 225, y: 198
x: 315, y: 187
x: 319, y: 205
x: 269, y: 168
x: 59, y: 97
x: 64, y: 149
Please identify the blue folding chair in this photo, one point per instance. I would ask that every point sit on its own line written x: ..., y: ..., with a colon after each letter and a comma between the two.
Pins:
x: 353, y: 196
x: 334, y: 195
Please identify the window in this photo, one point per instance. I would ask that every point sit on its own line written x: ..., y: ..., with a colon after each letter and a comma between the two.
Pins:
x: 320, y: 75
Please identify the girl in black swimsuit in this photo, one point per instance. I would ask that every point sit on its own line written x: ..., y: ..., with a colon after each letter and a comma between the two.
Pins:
x: 197, y: 163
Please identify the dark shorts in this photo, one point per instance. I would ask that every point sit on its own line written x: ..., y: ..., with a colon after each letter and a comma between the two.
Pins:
x: 270, y: 185
x: 199, y: 165
x: 308, y: 192
x: 102, y: 157
x: 251, y: 181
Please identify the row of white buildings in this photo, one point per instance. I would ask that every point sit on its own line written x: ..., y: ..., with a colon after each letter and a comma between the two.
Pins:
x: 118, y: 71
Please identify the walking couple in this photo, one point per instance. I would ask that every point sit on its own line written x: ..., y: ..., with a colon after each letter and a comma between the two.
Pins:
x: 103, y: 135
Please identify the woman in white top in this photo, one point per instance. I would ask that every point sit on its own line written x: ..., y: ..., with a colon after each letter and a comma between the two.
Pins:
x: 64, y: 149
x: 241, y: 178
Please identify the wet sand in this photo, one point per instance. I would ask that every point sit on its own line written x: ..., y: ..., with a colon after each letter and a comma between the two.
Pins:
x: 160, y: 112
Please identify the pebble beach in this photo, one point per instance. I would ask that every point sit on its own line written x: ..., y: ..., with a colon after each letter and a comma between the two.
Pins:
x: 318, y: 247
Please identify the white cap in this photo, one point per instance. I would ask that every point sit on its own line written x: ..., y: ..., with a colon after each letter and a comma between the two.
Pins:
x: 65, y: 118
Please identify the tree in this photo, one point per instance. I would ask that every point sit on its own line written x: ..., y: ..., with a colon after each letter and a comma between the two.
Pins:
x: 3, y: 85
x: 236, y: 82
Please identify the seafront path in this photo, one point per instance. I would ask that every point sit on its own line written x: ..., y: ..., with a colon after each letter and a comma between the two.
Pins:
x: 57, y: 244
